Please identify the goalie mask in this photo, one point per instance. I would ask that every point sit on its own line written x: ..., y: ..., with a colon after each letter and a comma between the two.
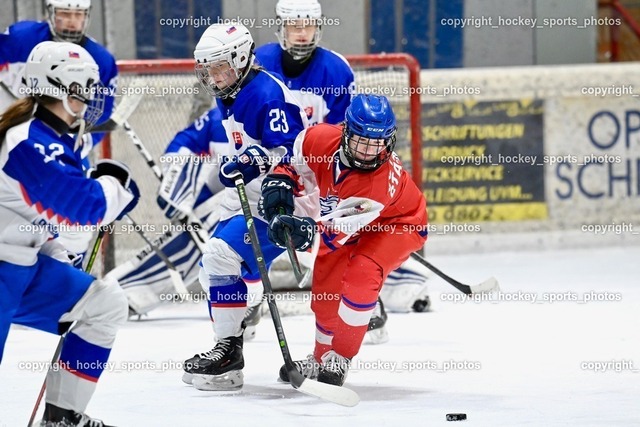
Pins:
x: 68, y: 19
x: 224, y: 56
x: 297, y: 18
x: 62, y: 70
x: 369, y: 134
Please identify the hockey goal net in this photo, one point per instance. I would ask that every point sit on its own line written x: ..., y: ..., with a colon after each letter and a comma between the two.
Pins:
x: 172, y: 99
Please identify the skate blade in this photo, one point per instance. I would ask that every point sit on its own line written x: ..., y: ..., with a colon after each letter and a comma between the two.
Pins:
x: 229, y: 381
x: 376, y: 336
x: 187, y: 378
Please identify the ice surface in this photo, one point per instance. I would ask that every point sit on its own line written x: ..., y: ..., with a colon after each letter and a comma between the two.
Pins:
x: 525, y: 358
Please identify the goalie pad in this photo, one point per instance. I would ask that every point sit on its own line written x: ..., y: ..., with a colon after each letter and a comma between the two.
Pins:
x: 177, y: 193
x: 145, y: 278
x: 404, y: 286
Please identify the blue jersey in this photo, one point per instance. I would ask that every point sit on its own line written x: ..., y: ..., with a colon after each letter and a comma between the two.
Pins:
x: 43, y: 186
x: 323, y: 89
x: 20, y: 38
x: 263, y: 112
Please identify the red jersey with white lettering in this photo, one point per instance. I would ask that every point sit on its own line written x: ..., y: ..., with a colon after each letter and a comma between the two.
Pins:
x: 348, y: 202
x: 370, y: 222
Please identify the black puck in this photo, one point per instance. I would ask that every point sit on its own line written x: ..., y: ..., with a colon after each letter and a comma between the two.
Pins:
x: 456, y: 417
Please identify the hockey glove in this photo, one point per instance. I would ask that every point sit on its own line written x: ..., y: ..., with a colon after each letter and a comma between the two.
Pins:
x: 135, y: 192
x: 277, y: 196
x: 120, y: 171
x: 252, y: 163
x: 177, y: 191
x: 302, y: 231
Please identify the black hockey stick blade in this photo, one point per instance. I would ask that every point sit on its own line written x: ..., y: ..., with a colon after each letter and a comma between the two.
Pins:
x: 489, y: 285
x: 331, y: 393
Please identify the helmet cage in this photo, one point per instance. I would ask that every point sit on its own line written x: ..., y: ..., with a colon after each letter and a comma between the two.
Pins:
x: 67, y: 35
x: 202, y: 71
x: 290, y: 11
x: 298, y: 50
x: 357, y: 146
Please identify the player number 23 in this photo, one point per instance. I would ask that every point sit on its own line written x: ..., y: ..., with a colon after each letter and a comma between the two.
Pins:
x: 278, y: 122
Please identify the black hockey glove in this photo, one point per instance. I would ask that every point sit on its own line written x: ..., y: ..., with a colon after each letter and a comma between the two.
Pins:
x: 277, y: 196
x: 302, y: 231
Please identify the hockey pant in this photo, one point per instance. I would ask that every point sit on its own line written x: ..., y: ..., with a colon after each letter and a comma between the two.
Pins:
x: 346, y: 284
x: 48, y: 296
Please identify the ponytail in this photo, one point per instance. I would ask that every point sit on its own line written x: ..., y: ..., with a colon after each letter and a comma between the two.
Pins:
x: 19, y: 112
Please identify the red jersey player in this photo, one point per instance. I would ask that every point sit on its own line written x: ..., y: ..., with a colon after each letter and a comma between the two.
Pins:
x: 370, y: 217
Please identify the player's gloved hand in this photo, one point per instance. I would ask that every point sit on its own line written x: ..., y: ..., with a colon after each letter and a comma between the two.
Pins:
x: 277, y: 196
x: 302, y: 231
x: 120, y: 171
x: 253, y: 162
x: 177, y: 190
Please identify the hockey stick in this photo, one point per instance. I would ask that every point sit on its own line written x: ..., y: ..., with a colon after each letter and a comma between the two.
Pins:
x: 119, y: 117
x: 176, y: 277
x: 339, y: 395
x: 56, y: 353
x: 120, y: 114
x: 489, y: 285
x: 302, y: 279
x: 195, y: 234
x: 291, y: 252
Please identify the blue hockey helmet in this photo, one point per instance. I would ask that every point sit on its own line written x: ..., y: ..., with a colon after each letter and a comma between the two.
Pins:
x: 369, y: 134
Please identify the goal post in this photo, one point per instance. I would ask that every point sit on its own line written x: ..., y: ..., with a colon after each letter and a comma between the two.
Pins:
x: 172, y: 99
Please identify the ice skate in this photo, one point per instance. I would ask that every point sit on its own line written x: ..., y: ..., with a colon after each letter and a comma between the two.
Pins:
x: 55, y: 416
x: 334, y: 368
x: 376, y: 331
x: 251, y: 319
x: 308, y: 367
x: 221, y: 369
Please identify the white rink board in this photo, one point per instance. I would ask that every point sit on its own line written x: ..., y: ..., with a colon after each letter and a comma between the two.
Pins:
x: 577, y: 124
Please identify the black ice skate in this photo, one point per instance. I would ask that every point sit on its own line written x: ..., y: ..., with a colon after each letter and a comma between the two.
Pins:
x: 251, y: 319
x: 221, y: 369
x: 334, y: 368
x: 376, y: 331
x: 308, y: 368
x: 55, y: 416
x: 190, y: 365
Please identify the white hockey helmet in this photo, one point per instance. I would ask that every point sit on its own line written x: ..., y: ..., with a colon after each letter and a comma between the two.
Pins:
x: 63, y: 70
x: 231, y: 43
x: 288, y: 11
x: 67, y: 35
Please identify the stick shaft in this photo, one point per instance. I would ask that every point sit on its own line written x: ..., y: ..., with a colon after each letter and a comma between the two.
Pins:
x: 262, y: 268
x: 453, y: 282
x: 56, y: 353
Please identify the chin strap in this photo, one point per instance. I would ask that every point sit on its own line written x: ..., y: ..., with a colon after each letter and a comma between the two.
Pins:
x: 81, y: 126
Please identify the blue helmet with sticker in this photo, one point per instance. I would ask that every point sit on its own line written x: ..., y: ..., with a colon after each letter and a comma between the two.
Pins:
x: 369, y: 134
